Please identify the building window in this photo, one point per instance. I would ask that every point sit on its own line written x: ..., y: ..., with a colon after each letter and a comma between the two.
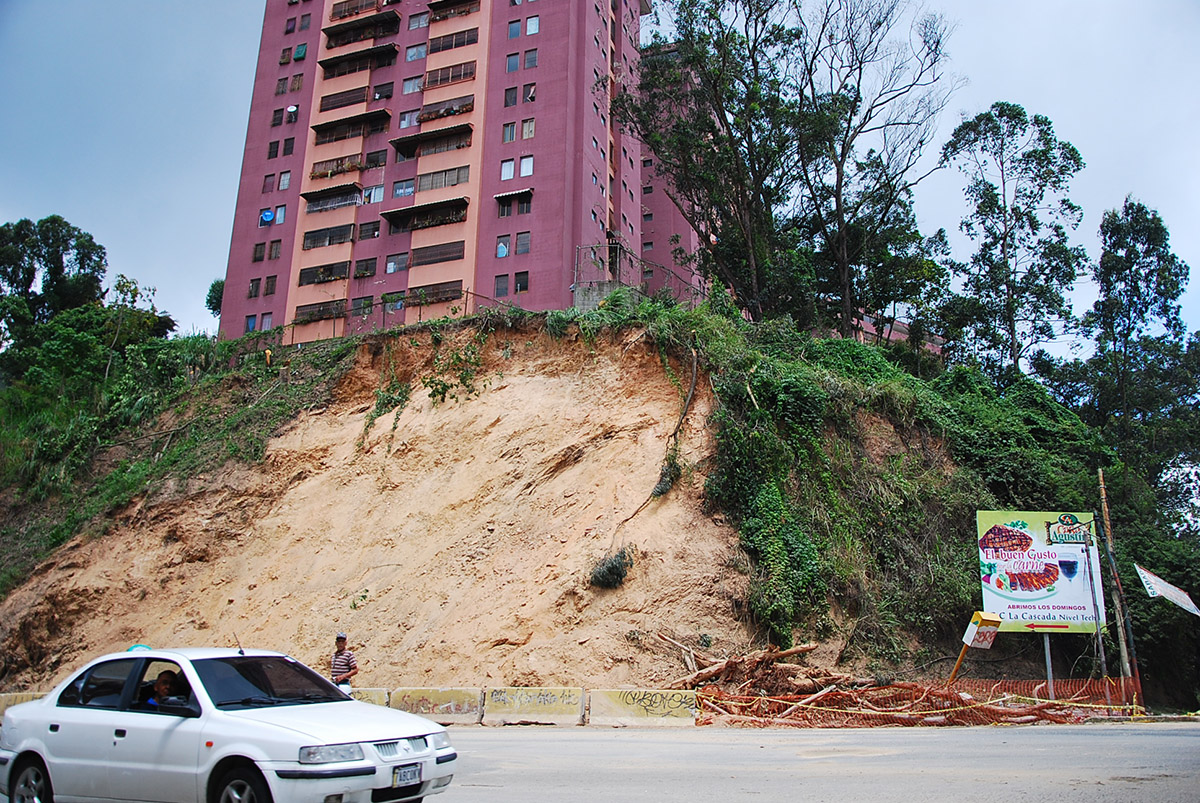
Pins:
x: 362, y: 306
x: 512, y: 62
x: 450, y: 75
x: 384, y: 90
x: 260, y: 250
x: 647, y: 217
x: 647, y: 190
x: 507, y: 168
x: 527, y: 129
x: 268, y: 182
x: 647, y: 247
x: 525, y: 204
x: 372, y: 195
x: 403, y: 188
x: 647, y: 163
x: 506, y: 207
x: 285, y: 55
x: 255, y: 288
x: 418, y: 21
x: 529, y: 93
x: 265, y: 217
x: 364, y: 268
x: 503, y: 244
x: 443, y: 178
x: 501, y: 286
x: 532, y: 25
x: 290, y: 26
x: 531, y: 58
x: 297, y: 82
x: 266, y: 321
x: 526, y: 165
x: 280, y: 214
x: 274, y: 250
x: 368, y: 231
x: 285, y: 179
x: 281, y: 86
x: 521, y: 282
x: 319, y: 238
x: 509, y: 132
x: 375, y: 159
x: 293, y: 113
x: 409, y: 119
x: 289, y: 145
x: 510, y: 96
x: 269, y: 287
x: 522, y: 242
x: 396, y: 263
x: 305, y: 21
x: 514, y: 29
x: 453, y: 40
x: 276, y: 118
x: 442, y: 252
x: 415, y: 52
x: 412, y: 85
x: 301, y: 52
x: 250, y: 321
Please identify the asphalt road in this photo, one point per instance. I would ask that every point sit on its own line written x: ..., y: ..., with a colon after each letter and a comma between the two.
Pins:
x: 1107, y: 763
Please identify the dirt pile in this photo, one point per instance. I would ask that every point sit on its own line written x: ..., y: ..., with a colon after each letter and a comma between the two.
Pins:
x: 454, y: 541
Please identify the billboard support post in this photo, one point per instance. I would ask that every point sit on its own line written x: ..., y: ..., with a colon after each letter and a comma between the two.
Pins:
x: 1049, y: 669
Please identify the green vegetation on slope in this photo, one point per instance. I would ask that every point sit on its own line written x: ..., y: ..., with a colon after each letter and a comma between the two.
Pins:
x: 853, y: 484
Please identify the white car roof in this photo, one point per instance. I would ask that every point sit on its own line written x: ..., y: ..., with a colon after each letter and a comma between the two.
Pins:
x: 186, y: 653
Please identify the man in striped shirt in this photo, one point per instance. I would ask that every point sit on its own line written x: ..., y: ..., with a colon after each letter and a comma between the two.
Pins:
x: 343, y: 666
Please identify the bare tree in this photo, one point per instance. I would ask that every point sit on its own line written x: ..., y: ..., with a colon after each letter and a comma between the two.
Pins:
x: 874, y: 71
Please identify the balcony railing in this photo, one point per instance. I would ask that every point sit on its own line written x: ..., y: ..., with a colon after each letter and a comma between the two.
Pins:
x: 332, y: 167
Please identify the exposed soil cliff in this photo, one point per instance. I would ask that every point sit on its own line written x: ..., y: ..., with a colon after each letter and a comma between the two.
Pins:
x: 454, y: 542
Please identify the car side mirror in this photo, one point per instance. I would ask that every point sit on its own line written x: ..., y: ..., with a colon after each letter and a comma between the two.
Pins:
x: 180, y: 707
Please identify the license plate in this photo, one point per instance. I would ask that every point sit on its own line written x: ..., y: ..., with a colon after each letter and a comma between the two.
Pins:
x: 406, y: 775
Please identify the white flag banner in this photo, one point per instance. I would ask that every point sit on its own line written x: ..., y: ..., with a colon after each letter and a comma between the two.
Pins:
x: 1158, y: 587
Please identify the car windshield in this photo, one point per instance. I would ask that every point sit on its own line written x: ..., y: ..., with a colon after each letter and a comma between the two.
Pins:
x: 249, y: 681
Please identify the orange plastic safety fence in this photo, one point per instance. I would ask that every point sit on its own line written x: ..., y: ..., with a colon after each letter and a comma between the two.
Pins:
x: 976, y: 702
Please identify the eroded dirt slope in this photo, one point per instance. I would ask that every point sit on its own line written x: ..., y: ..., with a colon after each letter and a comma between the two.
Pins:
x: 454, y: 543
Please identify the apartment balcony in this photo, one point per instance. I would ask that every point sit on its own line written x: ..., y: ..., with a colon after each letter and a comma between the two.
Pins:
x: 436, y: 140
x: 429, y: 215
x: 440, y: 10
x: 358, y: 125
x: 362, y: 29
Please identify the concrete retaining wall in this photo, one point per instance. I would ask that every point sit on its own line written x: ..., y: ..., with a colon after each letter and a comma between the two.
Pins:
x: 444, y: 706
x: 514, y: 705
x: 622, y: 708
x: 518, y: 705
x: 18, y: 697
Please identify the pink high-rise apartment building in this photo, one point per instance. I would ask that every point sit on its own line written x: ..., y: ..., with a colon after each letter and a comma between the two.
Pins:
x: 409, y: 159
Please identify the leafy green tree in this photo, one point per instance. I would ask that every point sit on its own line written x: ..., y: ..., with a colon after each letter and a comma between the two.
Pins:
x: 216, y: 291
x: 714, y: 108
x: 1018, y: 173
x: 1140, y: 282
x: 46, y: 267
x: 872, y: 74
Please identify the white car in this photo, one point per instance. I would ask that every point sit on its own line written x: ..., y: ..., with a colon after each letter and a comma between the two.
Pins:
x: 215, y: 726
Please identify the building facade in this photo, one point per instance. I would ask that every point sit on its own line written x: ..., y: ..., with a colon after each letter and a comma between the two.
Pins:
x: 409, y: 159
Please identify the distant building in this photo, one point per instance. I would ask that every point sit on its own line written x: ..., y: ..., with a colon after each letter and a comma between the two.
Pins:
x: 406, y: 160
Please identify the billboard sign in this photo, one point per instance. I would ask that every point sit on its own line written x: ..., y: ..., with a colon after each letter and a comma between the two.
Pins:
x: 1039, y: 571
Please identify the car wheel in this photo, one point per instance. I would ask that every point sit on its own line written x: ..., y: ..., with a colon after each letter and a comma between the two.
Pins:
x: 32, y: 783
x: 243, y: 785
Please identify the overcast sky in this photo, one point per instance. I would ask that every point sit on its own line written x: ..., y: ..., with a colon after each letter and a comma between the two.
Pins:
x: 128, y: 118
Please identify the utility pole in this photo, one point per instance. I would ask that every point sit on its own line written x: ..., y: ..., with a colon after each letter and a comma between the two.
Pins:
x: 1119, y: 597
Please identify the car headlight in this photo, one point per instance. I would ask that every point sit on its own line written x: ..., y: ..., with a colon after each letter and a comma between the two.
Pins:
x: 439, y: 740
x: 325, y: 753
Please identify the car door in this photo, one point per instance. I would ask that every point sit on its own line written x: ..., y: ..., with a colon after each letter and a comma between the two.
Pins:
x: 80, y: 733
x: 154, y: 752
